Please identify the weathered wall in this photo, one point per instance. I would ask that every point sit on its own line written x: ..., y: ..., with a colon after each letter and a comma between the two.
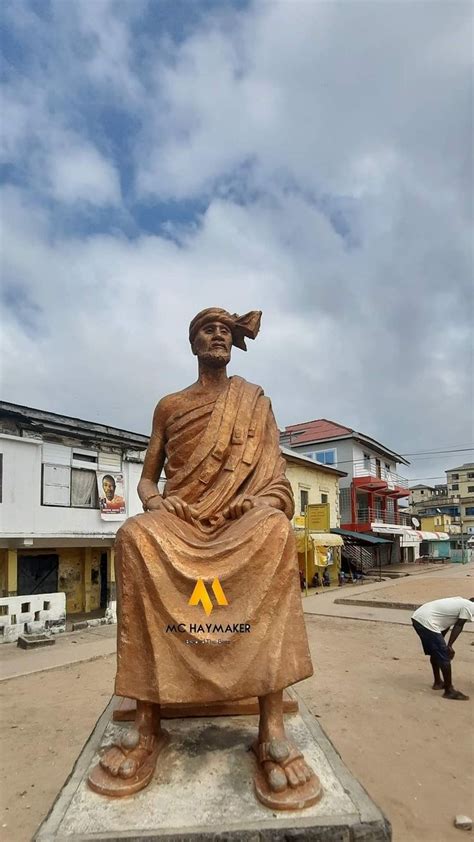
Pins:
x: 3, y: 572
x: 316, y: 482
x: 21, y: 512
x: 30, y: 614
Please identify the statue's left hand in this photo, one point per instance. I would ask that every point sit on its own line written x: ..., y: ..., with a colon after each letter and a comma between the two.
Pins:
x: 238, y: 507
x: 175, y: 506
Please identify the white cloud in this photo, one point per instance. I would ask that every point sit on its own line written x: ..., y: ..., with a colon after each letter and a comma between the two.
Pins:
x: 80, y: 173
x: 332, y: 142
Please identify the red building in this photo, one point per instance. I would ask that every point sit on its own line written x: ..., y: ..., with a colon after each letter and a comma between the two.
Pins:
x: 370, y: 493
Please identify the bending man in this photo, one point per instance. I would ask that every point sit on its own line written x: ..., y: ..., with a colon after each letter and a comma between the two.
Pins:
x: 432, y: 622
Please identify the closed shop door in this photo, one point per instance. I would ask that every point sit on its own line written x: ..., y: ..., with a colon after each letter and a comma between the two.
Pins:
x: 37, y: 574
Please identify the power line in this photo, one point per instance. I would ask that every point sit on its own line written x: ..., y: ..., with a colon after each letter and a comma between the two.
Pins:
x: 434, y: 452
x: 351, y: 461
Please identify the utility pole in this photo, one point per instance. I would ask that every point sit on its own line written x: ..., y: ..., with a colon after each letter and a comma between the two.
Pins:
x: 458, y: 501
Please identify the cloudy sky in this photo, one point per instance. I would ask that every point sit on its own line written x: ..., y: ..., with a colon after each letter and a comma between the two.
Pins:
x: 309, y: 159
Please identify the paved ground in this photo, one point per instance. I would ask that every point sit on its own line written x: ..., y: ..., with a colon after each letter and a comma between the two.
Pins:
x: 69, y: 648
x: 446, y: 580
x: 409, y: 747
x: 450, y: 582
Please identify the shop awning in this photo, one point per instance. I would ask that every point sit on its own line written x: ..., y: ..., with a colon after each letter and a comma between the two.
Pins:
x: 432, y: 536
x: 360, y: 537
x: 317, y: 539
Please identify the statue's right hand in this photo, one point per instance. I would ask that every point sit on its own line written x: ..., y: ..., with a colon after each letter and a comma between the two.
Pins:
x: 180, y: 508
x: 155, y: 503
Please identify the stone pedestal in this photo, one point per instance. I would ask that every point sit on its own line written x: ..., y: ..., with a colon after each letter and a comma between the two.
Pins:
x: 203, y: 790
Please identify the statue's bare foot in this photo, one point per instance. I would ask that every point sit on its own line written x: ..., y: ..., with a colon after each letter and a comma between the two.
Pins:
x: 128, y: 767
x: 284, y: 781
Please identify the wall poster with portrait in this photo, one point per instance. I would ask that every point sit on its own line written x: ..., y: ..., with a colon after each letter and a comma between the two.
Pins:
x: 111, y: 490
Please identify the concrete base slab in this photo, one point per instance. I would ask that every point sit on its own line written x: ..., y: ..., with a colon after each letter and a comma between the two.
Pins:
x: 127, y: 708
x: 203, y: 790
x: 35, y: 641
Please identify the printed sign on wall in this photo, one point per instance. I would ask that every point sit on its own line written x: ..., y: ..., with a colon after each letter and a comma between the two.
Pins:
x: 318, y: 517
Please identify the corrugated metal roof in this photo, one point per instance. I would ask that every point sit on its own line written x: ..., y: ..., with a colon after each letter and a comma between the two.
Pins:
x: 363, y: 537
x: 321, y: 428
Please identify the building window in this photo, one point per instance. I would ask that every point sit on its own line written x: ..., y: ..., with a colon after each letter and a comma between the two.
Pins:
x: 469, y: 510
x: 367, y: 460
x: 71, y: 487
x: 470, y: 489
x: 56, y: 485
x: 69, y: 476
x: 324, y: 498
x: 325, y: 457
x: 455, y: 487
x: 304, y: 498
x: 470, y: 475
x: 345, y: 505
x: 84, y: 489
x: 454, y: 476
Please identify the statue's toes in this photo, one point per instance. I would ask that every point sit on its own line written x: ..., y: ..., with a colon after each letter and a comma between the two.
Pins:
x: 292, y: 776
x: 128, y: 768
x: 111, y: 761
x: 308, y: 772
x: 277, y: 779
x: 300, y: 768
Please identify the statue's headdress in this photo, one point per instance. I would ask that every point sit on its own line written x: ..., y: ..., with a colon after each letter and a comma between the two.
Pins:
x: 240, y: 326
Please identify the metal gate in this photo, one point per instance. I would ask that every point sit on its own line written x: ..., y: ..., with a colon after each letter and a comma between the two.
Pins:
x: 37, y: 574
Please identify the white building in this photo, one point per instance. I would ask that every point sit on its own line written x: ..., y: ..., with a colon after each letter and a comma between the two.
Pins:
x: 372, y: 489
x: 53, y: 533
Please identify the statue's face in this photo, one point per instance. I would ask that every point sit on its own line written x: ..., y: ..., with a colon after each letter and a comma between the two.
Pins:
x: 213, y: 344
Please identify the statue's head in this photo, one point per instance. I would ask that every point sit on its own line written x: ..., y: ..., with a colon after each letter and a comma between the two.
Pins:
x: 213, y: 332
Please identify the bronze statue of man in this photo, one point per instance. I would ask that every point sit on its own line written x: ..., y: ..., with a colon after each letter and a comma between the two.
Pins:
x: 224, y: 514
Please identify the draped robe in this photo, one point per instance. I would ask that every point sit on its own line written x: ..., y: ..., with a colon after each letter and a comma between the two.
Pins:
x: 216, y: 449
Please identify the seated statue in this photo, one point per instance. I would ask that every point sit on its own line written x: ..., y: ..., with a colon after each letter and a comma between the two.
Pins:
x: 223, y: 520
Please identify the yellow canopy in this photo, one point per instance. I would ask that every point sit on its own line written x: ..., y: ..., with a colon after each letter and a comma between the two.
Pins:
x: 317, y: 539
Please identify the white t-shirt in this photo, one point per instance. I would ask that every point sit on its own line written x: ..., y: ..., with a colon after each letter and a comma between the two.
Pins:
x: 441, y: 614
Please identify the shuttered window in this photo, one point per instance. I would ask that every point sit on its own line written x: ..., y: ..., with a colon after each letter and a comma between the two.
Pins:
x: 69, y: 475
x: 56, y: 485
x: 56, y: 454
x: 110, y: 461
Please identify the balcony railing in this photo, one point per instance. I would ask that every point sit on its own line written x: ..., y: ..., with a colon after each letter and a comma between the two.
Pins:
x: 366, y: 515
x: 370, y: 468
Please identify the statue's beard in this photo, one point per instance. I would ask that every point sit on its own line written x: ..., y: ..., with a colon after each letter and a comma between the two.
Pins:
x: 216, y: 358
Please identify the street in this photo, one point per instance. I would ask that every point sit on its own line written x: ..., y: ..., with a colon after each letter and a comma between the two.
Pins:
x: 371, y: 692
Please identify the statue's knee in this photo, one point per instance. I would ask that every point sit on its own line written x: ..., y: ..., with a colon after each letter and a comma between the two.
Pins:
x: 127, y: 531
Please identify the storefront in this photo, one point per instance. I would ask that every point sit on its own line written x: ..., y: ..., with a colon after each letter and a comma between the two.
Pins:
x: 323, y: 557
x: 416, y: 543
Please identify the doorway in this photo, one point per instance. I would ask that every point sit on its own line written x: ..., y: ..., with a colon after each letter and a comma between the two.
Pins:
x: 38, y: 574
x: 103, y: 580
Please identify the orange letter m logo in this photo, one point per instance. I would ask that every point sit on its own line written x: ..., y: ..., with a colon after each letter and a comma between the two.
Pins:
x: 200, y: 594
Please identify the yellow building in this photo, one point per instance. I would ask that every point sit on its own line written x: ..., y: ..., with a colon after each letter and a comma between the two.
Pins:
x: 436, y: 523
x: 311, y: 483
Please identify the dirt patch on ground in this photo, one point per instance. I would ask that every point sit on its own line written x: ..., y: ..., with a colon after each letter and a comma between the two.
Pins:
x: 46, y: 719
x: 410, y: 748
x: 371, y: 693
x: 411, y: 590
